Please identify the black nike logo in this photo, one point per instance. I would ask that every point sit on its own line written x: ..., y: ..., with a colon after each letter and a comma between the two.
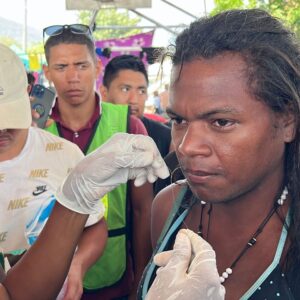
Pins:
x: 39, y: 190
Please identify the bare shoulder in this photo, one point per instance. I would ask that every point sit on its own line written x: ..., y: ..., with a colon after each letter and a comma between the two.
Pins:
x: 161, y: 207
x: 167, y: 196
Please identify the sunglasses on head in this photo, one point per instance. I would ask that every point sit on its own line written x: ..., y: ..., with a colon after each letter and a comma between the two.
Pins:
x: 59, y: 29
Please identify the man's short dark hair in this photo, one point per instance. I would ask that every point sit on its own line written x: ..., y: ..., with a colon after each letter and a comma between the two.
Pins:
x: 123, y: 62
x: 68, y: 37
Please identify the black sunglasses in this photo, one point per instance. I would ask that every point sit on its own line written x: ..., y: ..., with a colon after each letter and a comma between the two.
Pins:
x: 59, y: 29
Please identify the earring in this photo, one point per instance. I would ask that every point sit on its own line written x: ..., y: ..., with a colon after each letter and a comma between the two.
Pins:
x: 176, y: 174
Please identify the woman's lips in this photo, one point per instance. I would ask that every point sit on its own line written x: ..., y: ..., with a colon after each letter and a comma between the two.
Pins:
x: 199, y: 176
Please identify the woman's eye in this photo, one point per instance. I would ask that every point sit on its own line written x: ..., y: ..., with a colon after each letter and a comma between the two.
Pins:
x: 223, y: 122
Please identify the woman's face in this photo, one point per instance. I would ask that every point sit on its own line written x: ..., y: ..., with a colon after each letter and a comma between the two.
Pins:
x: 227, y: 142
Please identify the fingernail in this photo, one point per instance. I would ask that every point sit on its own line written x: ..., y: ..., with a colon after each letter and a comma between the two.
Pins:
x: 181, y: 237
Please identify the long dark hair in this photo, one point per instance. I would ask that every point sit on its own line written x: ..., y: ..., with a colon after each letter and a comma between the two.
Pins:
x: 272, y: 56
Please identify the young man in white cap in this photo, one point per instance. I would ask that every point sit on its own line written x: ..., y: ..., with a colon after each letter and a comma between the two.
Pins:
x: 33, y: 164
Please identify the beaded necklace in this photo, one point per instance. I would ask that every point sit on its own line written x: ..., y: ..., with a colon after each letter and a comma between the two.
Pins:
x: 253, y: 238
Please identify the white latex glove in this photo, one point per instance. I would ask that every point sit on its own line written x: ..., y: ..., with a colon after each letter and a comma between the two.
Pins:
x: 123, y: 157
x: 188, y: 271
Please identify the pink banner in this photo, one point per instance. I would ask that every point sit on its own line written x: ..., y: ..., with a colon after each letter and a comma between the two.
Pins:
x: 127, y: 45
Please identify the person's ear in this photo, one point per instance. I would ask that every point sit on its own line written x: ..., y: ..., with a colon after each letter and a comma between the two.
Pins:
x: 99, y: 67
x: 29, y: 88
x: 103, y: 92
x: 46, y: 72
x: 289, y: 123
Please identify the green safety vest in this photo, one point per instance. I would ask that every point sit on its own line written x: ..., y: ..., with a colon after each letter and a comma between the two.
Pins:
x: 112, y: 264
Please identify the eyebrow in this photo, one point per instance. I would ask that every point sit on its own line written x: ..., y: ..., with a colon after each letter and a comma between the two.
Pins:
x: 130, y: 86
x: 81, y: 62
x: 206, y: 115
x: 60, y: 65
x: 67, y: 64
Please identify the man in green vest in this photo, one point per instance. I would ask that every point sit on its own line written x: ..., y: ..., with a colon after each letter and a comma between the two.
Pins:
x: 80, y: 117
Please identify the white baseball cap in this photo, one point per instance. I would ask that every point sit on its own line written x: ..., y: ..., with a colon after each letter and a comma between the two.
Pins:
x: 15, y: 110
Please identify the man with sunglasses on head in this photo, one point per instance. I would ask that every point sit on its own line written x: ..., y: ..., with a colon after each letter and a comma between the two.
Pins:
x: 80, y: 117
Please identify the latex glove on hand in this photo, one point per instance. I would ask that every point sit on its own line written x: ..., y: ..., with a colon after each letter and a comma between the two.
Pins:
x: 123, y: 157
x: 188, y: 271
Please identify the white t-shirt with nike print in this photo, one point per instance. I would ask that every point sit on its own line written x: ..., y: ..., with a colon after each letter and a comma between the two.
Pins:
x: 28, y: 184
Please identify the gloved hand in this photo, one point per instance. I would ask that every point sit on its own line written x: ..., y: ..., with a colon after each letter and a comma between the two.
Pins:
x: 123, y: 157
x: 188, y: 271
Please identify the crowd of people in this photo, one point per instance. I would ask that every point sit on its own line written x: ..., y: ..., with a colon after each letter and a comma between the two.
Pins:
x: 105, y: 203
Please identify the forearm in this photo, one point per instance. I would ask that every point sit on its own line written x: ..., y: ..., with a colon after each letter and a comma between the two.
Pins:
x: 90, y: 247
x: 141, y: 244
x: 3, y: 293
x: 42, y: 270
x: 141, y: 241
